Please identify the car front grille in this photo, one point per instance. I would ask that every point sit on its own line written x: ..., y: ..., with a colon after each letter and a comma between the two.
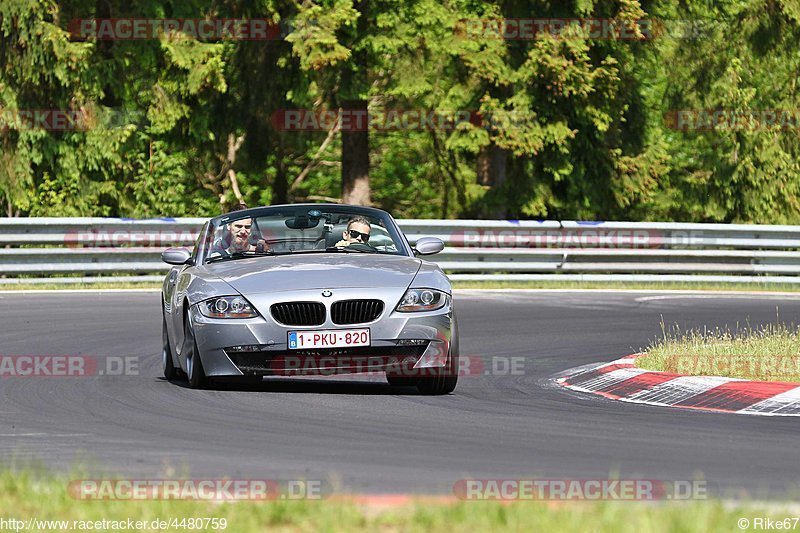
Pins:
x: 299, y: 313
x: 326, y: 360
x: 356, y: 311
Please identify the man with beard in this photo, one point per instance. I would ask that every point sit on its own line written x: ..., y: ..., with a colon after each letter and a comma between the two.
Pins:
x: 240, y: 236
x: 237, y: 238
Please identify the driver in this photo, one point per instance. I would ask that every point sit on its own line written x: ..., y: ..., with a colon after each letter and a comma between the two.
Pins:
x: 357, y: 232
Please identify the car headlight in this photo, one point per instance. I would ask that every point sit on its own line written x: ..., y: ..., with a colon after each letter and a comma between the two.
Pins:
x: 227, y: 307
x: 422, y: 300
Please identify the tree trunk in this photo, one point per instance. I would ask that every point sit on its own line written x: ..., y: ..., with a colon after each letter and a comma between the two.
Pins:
x: 280, y: 189
x: 492, y: 162
x: 355, y: 158
x: 353, y: 101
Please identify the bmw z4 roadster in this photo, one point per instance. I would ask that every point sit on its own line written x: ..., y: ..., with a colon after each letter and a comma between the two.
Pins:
x: 308, y: 289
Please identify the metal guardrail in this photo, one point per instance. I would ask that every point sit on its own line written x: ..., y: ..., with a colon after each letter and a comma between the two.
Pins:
x: 69, y: 250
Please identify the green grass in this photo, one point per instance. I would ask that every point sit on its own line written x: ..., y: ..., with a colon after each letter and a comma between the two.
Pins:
x: 30, y: 494
x: 771, y: 353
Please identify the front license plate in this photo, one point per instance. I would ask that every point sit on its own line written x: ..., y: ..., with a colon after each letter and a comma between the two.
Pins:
x: 328, y: 338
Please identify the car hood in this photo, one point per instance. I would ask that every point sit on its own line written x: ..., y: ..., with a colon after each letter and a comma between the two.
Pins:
x: 315, y: 271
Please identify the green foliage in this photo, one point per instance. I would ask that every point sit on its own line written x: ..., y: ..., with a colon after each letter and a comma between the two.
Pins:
x: 570, y: 126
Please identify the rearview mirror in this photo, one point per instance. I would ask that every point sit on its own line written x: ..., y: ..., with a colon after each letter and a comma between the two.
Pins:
x: 176, y: 256
x: 302, y: 222
x: 428, y: 246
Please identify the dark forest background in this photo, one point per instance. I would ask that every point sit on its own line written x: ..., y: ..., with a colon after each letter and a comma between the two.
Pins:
x: 574, y: 127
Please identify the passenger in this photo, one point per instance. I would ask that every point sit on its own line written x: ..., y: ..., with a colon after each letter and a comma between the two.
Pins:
x: 237, y: 238
x: 240, y: 236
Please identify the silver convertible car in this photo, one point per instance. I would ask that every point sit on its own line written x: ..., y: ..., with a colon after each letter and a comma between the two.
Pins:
x: 308, y: 289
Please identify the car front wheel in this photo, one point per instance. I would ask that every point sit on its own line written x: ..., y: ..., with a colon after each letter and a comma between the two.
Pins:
x: 170, y: 372
x: 441, y: 380
x: 194, y: 366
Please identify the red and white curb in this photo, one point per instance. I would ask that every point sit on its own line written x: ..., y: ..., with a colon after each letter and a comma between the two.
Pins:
x: 621, y: 380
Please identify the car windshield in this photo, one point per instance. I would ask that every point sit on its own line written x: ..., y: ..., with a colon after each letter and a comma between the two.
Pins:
x: 301, y: 229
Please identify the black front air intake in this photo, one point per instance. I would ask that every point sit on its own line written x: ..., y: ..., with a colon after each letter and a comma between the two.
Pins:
x: 356, y: 311
x: 299, y: 313
x: 327, y: 360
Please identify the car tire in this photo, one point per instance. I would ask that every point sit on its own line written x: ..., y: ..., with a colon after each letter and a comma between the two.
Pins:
x: 194, y: 365
x: 441, y: 380
x: 167, y: 364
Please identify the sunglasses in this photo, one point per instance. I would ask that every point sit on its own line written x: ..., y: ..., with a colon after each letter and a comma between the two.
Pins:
x: 356, y: 234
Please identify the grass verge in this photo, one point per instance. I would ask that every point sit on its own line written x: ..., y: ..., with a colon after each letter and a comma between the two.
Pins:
x: 28, y: 495
x: 770, y: 353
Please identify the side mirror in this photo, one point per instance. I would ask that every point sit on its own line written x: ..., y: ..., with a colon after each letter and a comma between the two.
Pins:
x: 176, y: 256
x: 428, y: 246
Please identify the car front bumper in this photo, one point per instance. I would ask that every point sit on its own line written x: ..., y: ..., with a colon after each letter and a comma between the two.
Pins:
x: 404, y: 343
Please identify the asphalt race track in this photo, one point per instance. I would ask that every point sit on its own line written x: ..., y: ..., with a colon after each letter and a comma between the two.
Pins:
x: 365, y: 436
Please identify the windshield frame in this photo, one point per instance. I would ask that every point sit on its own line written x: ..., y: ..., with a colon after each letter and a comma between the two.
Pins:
x: 389, y: 224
